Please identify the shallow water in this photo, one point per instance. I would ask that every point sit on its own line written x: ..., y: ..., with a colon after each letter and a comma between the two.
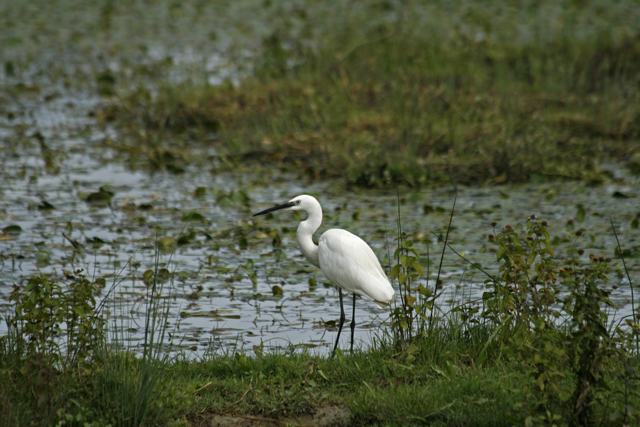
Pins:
x: 228, y: 310
x: 54, y: 149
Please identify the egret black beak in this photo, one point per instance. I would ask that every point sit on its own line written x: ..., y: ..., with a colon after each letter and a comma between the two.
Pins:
x: 275, y: 208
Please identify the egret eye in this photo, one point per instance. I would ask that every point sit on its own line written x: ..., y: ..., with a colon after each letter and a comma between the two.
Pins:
x: 297, y: 202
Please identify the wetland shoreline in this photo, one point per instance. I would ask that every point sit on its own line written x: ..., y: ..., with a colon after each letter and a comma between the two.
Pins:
x: 136, y: 140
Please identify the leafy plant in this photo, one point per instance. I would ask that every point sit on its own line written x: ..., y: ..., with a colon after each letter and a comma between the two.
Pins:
x: 569, y: 364
x: 525, y: 291
x: 410, y: 316
x: 410, y: 319
x: 53, y: 335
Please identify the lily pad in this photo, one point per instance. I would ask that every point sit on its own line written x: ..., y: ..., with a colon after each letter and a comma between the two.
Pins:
x: 147, y: 277
x: 200, y: 192
x: 184, y: 240
x: 43, y: 257
x: 193, y: 216
x: 166, y: 243
x: 99, y: 198
x: 107, y: 189
x: 95, y: 241
x: 619, y: 195
x: 45, y: 206
x: 12, y: 230
x: 106, y: 84
x: 243, y: 244
x: 163, y: 275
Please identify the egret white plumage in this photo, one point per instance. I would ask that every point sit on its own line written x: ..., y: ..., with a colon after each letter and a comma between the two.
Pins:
x: 343, y: 257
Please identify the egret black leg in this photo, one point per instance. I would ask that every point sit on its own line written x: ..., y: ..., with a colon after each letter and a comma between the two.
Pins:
x: 342, y: 317
x: 353, y: 321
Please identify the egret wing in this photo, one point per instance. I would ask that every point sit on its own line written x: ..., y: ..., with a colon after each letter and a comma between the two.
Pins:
x: 351, y: 264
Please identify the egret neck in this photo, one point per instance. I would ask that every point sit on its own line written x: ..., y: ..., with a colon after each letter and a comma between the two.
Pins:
x: 305, y: 234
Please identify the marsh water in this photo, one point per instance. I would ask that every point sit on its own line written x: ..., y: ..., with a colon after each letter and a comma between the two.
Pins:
x: 232, y: 281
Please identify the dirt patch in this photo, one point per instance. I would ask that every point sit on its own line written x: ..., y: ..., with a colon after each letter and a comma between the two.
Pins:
x: 326, y: 416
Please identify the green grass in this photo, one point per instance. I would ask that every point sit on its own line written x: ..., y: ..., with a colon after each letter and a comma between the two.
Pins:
x: 439, y: 382
x: 374, y: 386
x: 415, y: 101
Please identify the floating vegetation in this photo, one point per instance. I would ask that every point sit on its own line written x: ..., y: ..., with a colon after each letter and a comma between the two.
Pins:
x: 100, y: 198
x: 12, y: 230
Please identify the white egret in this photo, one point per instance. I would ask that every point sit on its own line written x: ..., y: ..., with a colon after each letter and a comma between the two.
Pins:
x: 343, y: 257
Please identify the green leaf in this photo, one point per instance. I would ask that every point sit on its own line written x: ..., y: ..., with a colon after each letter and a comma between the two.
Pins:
x: 403, y: 261
x: 423, y: 291
x: 395, y: 271
x: 418, y: 268
x: 451, y: 370
x: 402, y: 278
x: 322, y: 374
x: 547, y: 244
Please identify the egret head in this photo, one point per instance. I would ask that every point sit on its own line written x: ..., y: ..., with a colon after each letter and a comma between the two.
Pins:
x: 300, y: 203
